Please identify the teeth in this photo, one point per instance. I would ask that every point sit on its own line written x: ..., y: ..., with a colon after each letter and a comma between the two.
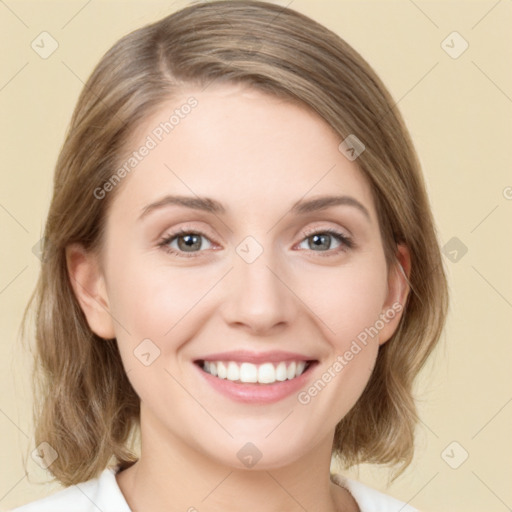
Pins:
x: 266, y: 373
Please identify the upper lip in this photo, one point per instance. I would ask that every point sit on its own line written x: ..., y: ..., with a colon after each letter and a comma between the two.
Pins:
x: 256, y: 357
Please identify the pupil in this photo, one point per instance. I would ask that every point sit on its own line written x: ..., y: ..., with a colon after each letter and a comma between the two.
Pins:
x: 191, y: 241
x: 318, y: 238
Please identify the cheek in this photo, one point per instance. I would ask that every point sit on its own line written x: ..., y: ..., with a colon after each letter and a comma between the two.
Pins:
x: 347, y: 304
x: 155, y: 301
x: 151, y: 305
x: 347, y: 300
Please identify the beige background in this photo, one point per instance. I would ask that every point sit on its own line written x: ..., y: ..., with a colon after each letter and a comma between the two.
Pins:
x: 459, y: 113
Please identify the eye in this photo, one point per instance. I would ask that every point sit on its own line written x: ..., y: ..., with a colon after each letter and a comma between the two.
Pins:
x: 187, y: 242
x: 322, y: 239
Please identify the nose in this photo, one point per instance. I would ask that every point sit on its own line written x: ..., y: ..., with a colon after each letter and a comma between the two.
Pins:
x: 257, y: 297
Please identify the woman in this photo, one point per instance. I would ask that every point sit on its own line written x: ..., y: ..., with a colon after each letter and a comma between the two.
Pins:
x: 240, y: 266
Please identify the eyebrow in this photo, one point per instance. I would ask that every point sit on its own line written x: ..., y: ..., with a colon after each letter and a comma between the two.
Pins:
x: 211, y: 205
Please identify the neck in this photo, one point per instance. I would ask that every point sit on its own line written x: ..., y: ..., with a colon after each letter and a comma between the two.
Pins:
x: 172, y: 475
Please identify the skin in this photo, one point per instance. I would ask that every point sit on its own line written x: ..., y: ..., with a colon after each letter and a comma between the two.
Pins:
x: 257, y: 155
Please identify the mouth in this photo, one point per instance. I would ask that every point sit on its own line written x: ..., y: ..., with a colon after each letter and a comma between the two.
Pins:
x: 266, y: 373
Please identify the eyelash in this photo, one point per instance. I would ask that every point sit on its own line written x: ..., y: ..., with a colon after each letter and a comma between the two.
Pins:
x: 346, y: 242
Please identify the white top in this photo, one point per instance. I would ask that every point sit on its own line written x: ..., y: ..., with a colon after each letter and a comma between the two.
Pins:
x: 103, y: 493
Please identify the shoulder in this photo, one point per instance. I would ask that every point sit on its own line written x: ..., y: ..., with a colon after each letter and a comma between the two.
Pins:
x: 100, y: 493
x: 371, y: 500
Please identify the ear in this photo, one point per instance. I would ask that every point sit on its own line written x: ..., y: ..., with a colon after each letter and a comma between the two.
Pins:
x: 398, y: 290
x: 88, y: 284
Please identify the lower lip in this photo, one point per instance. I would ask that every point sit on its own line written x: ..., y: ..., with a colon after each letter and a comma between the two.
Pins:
x: 257, y: 393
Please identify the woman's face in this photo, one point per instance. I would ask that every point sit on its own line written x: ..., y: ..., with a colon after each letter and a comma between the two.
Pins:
x: 216, y: 250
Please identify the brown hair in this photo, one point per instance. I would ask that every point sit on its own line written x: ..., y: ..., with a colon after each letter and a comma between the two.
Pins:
x: 85, y: 406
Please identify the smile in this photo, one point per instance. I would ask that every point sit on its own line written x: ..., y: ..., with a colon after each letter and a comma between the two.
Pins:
x: 245, y: 372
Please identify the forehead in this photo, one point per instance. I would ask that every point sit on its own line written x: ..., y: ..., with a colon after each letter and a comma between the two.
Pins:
x: 241, y: 146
